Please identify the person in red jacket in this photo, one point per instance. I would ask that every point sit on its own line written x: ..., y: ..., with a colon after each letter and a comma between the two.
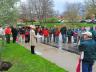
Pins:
x: 57, y: 33
x: 8, y: 34
x: 46, y: 35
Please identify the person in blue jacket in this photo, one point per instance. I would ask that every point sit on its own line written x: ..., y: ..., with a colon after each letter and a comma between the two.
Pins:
x: 88, y: 46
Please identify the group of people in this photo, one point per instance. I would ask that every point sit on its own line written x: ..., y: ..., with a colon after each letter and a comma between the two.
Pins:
x: 68, y: 35
x: 16, y: 33
x: 5, y: 33
x: 85, y: 37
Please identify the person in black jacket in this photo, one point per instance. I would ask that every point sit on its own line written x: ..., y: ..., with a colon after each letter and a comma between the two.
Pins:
x: 27, y: 35
x: 63, y: 32
x: 14, y: 33
x: 69, y: 34
x: 88, y: 47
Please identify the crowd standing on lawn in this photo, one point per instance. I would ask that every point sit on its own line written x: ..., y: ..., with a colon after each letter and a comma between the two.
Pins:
x: 30, y: 34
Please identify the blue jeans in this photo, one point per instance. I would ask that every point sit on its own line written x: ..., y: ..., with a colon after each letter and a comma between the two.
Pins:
x: 86, y: 67
x: 57, y: 39
x: 46, y: 40
x: 64, y: 38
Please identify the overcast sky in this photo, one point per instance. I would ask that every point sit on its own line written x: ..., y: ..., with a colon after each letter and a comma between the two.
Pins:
x: 59, y: 4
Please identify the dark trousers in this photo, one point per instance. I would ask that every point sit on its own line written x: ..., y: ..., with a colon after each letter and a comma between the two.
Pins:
x: 14, y: 39
x: 46, y: 40
x: 64, y: 38
x: 69, y: 39
x: 8, y: 38
x: 86, y: 67
x: 27, y: 38
x: 32, y: 49
x: 50, y: 37
x: 54, y: 37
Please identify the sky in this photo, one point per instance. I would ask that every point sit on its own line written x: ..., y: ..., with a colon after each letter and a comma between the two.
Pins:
x: 59, y: 4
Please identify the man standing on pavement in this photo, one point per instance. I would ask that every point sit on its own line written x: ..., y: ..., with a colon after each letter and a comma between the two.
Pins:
x: 88, y: 47
x: 63, y: 32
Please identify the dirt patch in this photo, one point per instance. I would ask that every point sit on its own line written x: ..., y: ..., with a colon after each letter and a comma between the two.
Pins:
x: 5, y: 66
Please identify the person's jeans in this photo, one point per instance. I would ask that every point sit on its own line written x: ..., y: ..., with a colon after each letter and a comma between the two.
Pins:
x: 86, y: 67
x: 54, y: 37
x: 57, y: 39
x: 14, y: 39
x: 64, y: 38
x: 75, y: 39
x: 50, y: 37
x: 46, y: 39
x: 8, y: 38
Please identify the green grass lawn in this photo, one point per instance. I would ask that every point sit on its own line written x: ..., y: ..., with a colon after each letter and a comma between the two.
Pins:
x: 68, y: 25
x: 24, y: 61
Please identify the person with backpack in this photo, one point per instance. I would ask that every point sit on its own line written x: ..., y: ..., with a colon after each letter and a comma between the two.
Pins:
x: 87, y: 48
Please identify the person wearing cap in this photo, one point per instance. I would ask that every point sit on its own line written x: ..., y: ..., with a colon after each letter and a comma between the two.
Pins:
x: 88, y: 47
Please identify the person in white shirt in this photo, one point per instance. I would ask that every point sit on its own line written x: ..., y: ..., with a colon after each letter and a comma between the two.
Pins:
x: 2, y: 35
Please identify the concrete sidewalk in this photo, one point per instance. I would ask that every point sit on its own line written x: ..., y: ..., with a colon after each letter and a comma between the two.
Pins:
x: 61, y: 58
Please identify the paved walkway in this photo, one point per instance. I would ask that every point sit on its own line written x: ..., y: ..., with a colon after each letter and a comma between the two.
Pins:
x: 61, y: 58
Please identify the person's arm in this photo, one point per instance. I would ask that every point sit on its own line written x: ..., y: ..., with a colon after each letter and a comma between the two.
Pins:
x: 81, y: 47
x: 95, y: 52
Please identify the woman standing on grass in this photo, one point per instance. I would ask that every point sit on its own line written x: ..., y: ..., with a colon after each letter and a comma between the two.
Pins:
x: 32, y: 38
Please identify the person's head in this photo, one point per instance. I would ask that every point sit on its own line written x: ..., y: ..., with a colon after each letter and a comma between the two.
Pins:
x: 14, y: 26
x: 87, y: 35
x: 32, y: 27
x: 7, y: 26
